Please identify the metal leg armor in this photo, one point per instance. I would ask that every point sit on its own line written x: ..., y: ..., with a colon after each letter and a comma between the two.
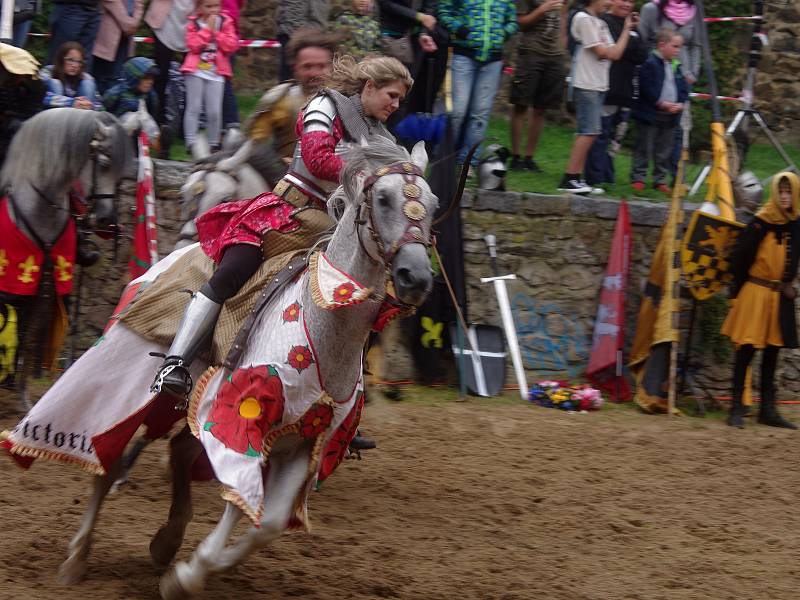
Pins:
x: 197, y: 325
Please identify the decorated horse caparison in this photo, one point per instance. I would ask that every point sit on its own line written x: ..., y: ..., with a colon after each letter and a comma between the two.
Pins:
x: 277, y: 412
x: 55, y: 156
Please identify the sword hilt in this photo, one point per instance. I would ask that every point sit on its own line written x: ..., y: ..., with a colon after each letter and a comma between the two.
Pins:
x: 491, y: 242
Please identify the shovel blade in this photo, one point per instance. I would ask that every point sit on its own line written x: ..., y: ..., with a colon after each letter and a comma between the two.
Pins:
x: 484, y: 369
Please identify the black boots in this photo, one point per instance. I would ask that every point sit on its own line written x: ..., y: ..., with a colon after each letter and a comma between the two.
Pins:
x: 737, y: 411
x: 768, y: 413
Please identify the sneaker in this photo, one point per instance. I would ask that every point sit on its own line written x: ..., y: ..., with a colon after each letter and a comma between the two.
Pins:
x: 516, y: 164
x: 638, y: 186
x: 574, y: 186
x: 530, y: 165
x: 597, y: 191
x: 663, y: 188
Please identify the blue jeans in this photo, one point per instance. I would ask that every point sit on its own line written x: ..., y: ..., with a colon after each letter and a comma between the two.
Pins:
x: 21, y: 31
x: 73, y: 23
x: 599, y: 163
x: 474, y: 87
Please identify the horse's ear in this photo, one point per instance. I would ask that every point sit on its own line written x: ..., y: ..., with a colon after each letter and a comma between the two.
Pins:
x: 419, y: 156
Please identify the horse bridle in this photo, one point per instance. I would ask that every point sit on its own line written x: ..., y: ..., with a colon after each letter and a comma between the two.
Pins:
x: 413, y: 210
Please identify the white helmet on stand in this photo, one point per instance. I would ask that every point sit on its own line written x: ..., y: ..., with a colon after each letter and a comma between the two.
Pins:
x: 492, y: 168
x: 748, y: 191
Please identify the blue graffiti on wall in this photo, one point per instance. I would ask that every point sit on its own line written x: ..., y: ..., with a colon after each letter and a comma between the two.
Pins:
x: 549, y: 339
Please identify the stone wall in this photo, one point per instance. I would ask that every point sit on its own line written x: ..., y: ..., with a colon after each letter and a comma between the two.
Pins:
x: 777, y: 89
x: 557, y: 246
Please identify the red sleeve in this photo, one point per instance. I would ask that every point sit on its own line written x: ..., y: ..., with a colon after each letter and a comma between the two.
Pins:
x: 196, y: 37
x: 227, y: 38
x: 318, y: 151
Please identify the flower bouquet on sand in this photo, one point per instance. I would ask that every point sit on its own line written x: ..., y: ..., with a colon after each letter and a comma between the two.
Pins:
x: 559, y: 394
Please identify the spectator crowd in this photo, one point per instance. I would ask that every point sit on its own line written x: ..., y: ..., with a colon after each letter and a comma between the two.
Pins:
x: 600, y: 59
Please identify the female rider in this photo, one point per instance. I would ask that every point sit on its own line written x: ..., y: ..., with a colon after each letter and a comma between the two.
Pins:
x: 357, y: 100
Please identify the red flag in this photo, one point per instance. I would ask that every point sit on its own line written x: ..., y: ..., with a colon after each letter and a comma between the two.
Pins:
x: 145, y: 237
x: 605, y: 362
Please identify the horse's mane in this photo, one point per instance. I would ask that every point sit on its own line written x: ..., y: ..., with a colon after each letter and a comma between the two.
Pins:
x: 51, y: 148
x: 373, y: 152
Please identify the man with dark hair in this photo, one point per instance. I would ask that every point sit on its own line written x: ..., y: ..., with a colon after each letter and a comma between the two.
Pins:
x: 272, y: 124
x: 292, y: 16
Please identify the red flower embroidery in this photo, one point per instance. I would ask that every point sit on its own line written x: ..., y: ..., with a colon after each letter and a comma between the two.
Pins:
x: 300, y: 358
x: 292, y: 312
x: 247, y: 405
x: 316, y: 420
x: 343, y: 292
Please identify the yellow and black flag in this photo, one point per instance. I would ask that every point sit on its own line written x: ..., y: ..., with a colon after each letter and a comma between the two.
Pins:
x: 705, y: 251
x: 657, y: 326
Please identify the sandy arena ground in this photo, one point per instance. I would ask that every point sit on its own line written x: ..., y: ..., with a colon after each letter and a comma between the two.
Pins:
x: 464, y: 500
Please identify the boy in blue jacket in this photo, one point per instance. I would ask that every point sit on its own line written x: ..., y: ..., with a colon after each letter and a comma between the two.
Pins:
x: 663, y: 93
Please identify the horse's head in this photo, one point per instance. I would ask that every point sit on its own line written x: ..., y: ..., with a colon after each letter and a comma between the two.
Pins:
x: 398, y: 208
x: 110, y: 158
x: 60, y: 146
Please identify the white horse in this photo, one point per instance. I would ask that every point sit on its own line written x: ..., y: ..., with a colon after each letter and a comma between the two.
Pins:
x: 382, y: 235
x: 49, y: 154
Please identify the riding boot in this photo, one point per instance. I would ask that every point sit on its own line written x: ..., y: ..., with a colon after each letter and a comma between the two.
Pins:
x: 197, y: 325
x: 360, y: 442
x: 768, y: 413
x: 737, y: 410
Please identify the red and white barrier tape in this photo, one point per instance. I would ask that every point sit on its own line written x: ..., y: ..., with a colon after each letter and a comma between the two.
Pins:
x: 703, y: 96
x: 732, y: 19
x: 150, y: 40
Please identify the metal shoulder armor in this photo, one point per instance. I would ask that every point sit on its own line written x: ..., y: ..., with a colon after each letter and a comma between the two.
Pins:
x: 319, y: 115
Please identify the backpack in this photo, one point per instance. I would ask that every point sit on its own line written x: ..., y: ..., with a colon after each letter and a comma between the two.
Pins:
x: 572, y: 43
x: 573, y: 46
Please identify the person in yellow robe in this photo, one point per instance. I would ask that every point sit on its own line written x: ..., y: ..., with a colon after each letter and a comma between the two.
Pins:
x: 764, y: 264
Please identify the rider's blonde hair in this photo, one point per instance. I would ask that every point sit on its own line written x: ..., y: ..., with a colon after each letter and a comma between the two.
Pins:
x: 349, y: 77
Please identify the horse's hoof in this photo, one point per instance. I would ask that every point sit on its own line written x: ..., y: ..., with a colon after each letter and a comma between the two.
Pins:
x: 72, y: 570
x: 118, y: 485
x: 171, y: 588
x: 165, y: 544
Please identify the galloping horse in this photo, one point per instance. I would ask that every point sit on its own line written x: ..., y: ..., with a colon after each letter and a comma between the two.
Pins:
x: 280, y: 411
x: 51, y: 152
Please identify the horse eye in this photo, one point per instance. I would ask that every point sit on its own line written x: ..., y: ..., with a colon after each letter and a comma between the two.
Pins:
x: 384, y: 200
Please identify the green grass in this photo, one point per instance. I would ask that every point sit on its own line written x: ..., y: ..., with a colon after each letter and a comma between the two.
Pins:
x: 555, y: 145
x: 553, y: 151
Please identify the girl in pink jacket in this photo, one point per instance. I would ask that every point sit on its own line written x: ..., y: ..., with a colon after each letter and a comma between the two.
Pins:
x: 210, y: 38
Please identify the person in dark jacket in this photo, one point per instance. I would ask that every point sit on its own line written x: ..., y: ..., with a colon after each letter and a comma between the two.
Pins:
x: 622, y: 91
x: 422, y: 46
x: 663, y: 93
x: 764, y: 265
x: 21, y: 92
x: 138, y: 74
